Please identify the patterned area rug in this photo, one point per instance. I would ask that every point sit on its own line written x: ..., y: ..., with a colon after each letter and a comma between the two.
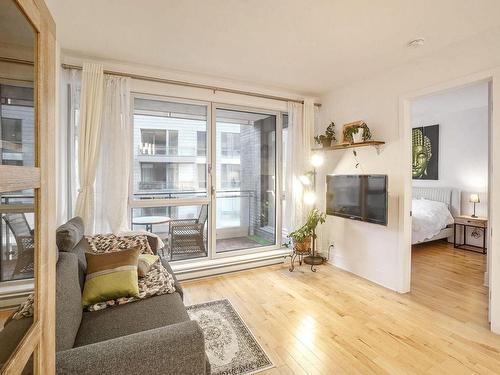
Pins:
x: 230, y: 346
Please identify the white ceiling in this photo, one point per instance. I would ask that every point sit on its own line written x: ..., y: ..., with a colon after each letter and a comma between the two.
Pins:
x: 307, y: 46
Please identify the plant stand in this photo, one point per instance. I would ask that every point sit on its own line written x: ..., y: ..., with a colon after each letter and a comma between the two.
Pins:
x: 294, y: 255
x: 313, y: 259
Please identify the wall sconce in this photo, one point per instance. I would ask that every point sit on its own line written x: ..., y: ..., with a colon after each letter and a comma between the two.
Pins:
x: 474, y: 198
x: 309, y: 198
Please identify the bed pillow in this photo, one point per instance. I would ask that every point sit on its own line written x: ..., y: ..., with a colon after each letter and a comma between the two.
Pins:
x: 110, y: 276
x: 105, y: 243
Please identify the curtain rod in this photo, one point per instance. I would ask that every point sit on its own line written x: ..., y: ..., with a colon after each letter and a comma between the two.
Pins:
x: 195, y: 85
x: 16, y: 61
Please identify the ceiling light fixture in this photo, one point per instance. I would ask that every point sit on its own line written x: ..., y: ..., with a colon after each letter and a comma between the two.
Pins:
x: 415, y: 43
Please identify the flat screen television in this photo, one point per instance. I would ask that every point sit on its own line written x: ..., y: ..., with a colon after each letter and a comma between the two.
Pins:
x: 357, y: 197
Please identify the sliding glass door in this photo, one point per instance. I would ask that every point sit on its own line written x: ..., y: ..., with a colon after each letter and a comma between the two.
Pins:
x: 170, y: 168
x: 204, y: 177
x: 244, y: 179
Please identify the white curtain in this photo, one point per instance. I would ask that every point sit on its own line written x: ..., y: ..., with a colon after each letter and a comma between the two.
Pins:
x: 91, y: 101
x: 112, y: 184
x: 298, y: 151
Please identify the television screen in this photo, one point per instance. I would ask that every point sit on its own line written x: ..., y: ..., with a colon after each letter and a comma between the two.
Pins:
x: 357, y: 197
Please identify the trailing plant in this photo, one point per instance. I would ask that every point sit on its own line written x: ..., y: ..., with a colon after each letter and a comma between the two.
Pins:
x: 356, y: 158
x: 354, y: 129
x: 314, y: 218
x: 328, y: 137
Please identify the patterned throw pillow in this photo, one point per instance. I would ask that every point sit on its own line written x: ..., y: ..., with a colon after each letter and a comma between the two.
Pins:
x: 110, y: 275
x: 105, y: 243
x: 157, y: 281
x: 25, y: 310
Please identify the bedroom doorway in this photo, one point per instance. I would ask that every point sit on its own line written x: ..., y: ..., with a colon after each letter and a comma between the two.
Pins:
x: 449, y: 133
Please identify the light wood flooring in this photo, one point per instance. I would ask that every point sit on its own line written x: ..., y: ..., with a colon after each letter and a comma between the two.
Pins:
x: 332, y: 322
x: 450, y: 281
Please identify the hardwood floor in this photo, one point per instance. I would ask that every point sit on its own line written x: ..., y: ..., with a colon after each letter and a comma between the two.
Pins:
x: 332, y: 322
x: 450, y: 281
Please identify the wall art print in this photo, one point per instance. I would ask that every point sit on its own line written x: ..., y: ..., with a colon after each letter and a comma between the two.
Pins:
x: 425, y: 152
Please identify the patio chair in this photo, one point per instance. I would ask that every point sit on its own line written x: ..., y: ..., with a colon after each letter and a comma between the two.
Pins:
x: 25, y: 241
x: 187, y: 236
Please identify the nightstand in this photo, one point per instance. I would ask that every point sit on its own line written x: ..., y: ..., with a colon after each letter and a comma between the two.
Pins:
x: 465, y: 222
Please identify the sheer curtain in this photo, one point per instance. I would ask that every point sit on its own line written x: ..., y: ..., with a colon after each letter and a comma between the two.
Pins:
x: 112, y: 184
x: 91, y: 101
x: 300, y: 133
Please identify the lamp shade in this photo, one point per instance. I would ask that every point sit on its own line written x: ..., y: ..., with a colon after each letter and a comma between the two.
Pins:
x: 309, y: 198
x: 317, y: 160
x: 474, y: 198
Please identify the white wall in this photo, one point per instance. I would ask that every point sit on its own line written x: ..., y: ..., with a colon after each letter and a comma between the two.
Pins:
x: 378, y: 253
x: 462, y: 115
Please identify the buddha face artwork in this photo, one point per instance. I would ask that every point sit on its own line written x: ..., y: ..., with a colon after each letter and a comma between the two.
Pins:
x: 425, y: 149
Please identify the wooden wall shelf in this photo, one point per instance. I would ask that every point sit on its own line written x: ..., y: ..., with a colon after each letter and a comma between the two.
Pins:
x: 344, y: 146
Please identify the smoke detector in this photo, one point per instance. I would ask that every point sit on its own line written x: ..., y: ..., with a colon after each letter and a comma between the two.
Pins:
x: 415, y: 43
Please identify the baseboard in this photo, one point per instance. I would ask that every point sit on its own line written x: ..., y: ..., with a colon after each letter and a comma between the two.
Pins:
x: 231, y: 264
x: 12, y: 293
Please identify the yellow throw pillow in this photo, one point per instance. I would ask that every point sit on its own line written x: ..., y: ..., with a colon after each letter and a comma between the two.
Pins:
x: 110, y: 276
x: 145, y: 262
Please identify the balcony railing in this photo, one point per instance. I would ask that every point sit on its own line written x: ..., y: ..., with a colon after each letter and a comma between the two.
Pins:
x: 150, y: 149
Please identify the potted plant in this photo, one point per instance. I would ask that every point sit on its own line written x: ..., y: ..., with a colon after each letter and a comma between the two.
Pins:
x: 357, y: 132
x: 327, y: 138
x: 302, y: 237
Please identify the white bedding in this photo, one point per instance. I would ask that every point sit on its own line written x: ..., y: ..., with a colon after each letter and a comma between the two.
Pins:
x: 428, y: 219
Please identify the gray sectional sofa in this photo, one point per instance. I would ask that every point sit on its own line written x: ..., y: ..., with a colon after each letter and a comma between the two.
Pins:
x: 152, y: 336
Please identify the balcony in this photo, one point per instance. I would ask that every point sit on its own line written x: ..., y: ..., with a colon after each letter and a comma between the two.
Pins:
x: 238, y: 220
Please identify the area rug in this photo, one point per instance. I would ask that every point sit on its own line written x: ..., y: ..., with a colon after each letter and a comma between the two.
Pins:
x: 230, y: 346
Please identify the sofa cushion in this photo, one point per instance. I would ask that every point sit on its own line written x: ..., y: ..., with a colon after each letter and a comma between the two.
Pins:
x: 178, y: 287
x: 110, y: 276
x: 11, y: 335
x: 150, y: 313
x: 68, y: 301
x: 79, y: 250
x: 69, y: 234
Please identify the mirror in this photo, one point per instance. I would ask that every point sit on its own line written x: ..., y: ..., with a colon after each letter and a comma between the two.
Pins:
x: 17, y: 148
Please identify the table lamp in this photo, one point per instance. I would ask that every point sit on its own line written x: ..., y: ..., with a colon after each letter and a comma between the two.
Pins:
x: 474, y: 198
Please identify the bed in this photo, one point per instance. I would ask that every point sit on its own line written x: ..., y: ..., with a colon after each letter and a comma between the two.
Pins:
x: 433, y: 212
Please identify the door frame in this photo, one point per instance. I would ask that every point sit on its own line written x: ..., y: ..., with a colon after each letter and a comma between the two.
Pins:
x: 404, y: 105
x: 278, y: 180
x: 39, y: 340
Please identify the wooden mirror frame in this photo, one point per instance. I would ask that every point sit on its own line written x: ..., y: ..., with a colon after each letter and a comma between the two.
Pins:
x: 39, y: 340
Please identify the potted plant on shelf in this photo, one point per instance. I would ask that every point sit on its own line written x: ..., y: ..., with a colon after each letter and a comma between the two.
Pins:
x: 357, y: 132
x: 301, y: 238
x: 327, y: 138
